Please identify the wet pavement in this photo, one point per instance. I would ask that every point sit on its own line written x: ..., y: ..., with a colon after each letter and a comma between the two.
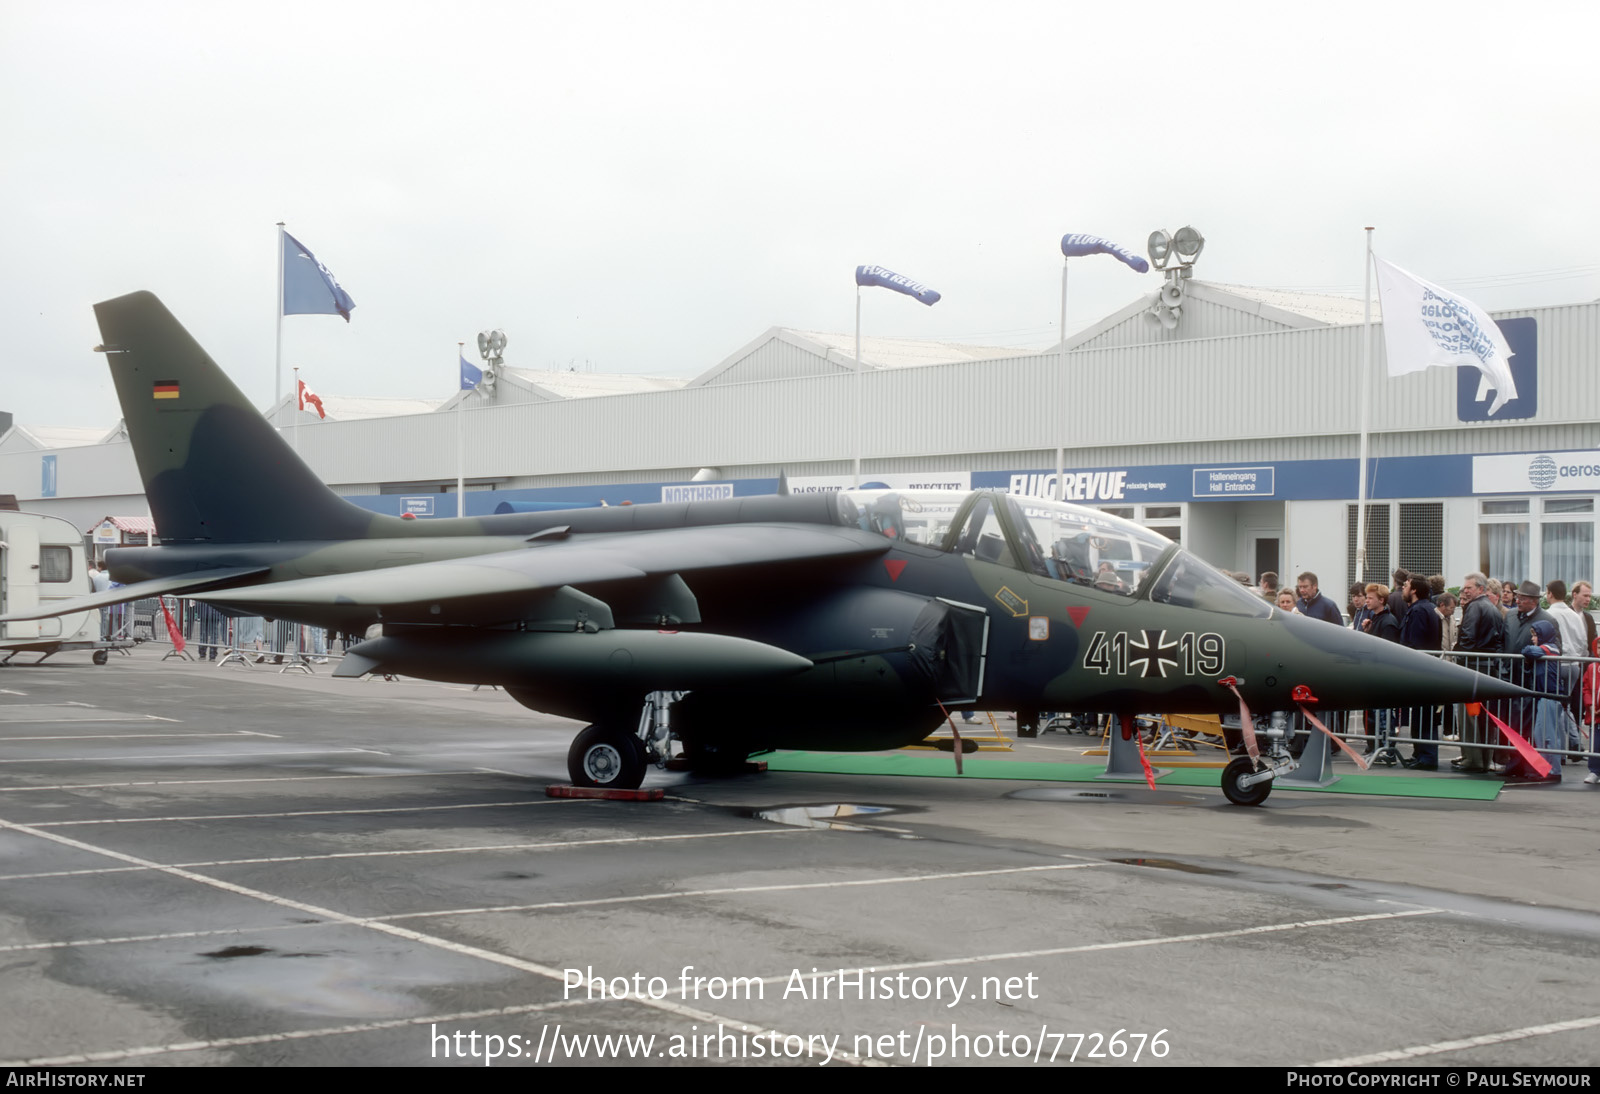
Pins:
x: 204, y: 866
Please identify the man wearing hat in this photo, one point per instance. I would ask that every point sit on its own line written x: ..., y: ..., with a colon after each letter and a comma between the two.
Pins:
x: 1519, y: 713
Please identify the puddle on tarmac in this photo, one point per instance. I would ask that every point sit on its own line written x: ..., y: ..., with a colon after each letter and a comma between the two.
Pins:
x: 818, y: 816
x: 1141, y: 796
x: 237, y: 951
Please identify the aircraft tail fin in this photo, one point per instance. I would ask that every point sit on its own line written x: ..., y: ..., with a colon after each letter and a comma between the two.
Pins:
x: 214, y: 469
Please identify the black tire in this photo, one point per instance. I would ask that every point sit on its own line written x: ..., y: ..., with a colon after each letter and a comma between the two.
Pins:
x: 607, y: 757
x: 101, y: 657
x: 1243, y: 795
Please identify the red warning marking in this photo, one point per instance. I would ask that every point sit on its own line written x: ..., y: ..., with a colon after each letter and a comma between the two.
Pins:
x: 1078, y: 615
x: 894, y: 566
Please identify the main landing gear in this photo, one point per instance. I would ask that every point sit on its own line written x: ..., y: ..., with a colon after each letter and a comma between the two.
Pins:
x: 607, y: 755
x: 616, y: 752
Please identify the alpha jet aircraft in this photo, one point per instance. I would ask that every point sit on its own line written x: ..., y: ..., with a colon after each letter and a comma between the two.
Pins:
x: 849, y: 621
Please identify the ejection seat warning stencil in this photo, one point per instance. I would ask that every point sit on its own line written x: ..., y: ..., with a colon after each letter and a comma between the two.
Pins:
x: 1011, y: 602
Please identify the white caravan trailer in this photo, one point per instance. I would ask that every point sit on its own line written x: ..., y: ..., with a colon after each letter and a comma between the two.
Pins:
x: 41, y: 560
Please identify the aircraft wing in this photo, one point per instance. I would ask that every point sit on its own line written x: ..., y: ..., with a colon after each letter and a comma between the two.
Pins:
x: 180, y: 584
x: 507, y: 585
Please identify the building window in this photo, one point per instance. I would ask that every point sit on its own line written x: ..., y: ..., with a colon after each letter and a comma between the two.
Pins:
x: 1378, y: 568
x: 1567, y: 545
x: 1422, y: 537
x: 1562, y: 540
x: 1164, y: 520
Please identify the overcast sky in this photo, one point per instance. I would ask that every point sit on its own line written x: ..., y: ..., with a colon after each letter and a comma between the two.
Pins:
x: 645, y: 187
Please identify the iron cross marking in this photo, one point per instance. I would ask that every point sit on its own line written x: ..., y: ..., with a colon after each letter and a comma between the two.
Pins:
x: 1152, y: 654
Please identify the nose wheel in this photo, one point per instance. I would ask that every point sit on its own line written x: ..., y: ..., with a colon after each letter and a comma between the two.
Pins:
x: 1235, y: 773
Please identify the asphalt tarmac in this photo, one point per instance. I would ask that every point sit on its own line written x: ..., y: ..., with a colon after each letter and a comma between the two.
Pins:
x: 235, y: 866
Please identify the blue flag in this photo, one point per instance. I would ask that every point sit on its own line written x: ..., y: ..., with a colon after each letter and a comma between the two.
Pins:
x: 470, y: 375
x: 888, y: 279
x: 309, y: 288
x: 1076, y: 246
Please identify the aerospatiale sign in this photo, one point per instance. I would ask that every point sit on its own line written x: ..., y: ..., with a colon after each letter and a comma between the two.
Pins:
x: 1528, y: 472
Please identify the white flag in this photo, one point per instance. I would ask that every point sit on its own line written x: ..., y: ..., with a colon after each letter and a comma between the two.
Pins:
x: 1424, y: 326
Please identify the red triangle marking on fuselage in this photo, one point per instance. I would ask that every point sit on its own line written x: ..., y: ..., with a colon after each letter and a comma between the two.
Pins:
x: 1078, y: 615
x: 894, y: 566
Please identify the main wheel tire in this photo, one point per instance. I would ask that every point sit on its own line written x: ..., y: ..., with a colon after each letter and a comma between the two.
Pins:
x: 1238, y: 769
x: 607, y: 757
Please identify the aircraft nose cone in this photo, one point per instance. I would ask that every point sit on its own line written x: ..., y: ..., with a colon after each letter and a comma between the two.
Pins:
x: 1346, y: 670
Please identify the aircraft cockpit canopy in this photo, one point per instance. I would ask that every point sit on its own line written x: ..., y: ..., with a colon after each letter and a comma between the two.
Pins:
x: 1049, y: 538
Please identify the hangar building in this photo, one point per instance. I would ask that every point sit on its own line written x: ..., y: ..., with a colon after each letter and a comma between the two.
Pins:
x: 1235, y: 431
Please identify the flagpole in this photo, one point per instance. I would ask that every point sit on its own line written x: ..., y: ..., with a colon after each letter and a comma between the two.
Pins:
x: 1366, y: 387
x: 461, y: 479
x: 277, y: 361
x: 1061, y: 452
x: 855, y: 403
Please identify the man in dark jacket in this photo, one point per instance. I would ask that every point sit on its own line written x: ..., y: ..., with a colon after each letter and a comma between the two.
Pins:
x: 1381, y: 623
x: 1482, y: 632
x: 1314, y: 604
x: 1519, y: 635
x: 1421, y: 629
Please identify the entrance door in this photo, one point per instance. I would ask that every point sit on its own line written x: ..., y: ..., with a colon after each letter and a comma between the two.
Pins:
x: 1267, y: 558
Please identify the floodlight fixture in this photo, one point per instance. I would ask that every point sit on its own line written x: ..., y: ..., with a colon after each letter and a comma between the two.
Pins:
x: 1159, y: 246
x: 1188, y: 243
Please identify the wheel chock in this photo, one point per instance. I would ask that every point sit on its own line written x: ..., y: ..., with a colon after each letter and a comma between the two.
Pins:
x: 567, y: 790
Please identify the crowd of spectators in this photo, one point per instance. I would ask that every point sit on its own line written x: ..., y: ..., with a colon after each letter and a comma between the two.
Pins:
x: 1514, y: 630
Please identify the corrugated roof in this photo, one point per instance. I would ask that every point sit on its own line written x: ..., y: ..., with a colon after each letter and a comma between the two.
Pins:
x: 881, y: 352
x: 348, y: 408
x: 1323, y: 307
x: 586, y: 385
x: 62, y: 436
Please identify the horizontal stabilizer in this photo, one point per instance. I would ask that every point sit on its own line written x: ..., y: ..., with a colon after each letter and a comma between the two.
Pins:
x: 180, y: 585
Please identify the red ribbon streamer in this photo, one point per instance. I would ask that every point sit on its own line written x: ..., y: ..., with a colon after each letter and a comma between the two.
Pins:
x: 1524, y: 749
x: 172, y: 626
x: 1149, y: 776
x: 1361, y: 761
x: 1248, y: 728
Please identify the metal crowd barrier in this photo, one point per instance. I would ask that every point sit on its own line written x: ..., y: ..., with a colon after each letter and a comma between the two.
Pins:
x: 209, y: 635
x: 1468, y: 727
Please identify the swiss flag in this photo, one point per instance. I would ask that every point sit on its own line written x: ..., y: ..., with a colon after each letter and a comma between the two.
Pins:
x: 311, y: 398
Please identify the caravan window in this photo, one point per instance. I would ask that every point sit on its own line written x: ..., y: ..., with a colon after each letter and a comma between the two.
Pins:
x: 55, y: 564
